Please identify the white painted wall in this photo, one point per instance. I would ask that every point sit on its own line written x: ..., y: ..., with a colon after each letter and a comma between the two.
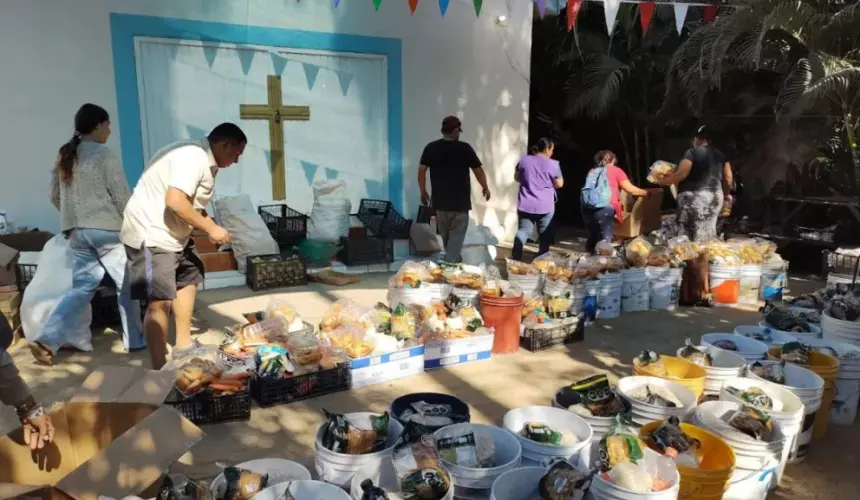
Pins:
x: 57, y: 55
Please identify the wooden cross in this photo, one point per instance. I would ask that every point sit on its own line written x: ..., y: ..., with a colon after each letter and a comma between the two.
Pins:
x: 275, y: 113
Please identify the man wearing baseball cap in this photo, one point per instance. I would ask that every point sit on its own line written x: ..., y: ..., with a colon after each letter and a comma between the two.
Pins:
x: 449, y: 161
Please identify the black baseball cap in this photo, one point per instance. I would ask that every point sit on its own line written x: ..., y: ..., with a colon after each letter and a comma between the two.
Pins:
x: 703, y: 132
x: 450, y: 124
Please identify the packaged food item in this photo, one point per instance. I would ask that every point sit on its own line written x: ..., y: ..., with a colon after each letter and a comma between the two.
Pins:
x: 609, y: 264
x: 342, y: 436
x: 346, y: 312
x: 670, y: 440
x: 540, y: 432
x: 349, y: 337
x: 772, y: 372
x: 632, y: 476
x: 465, y: 317
x: 597, y: 396
x: 695, y: 355
x: 544, y: 262
x: 432, y: 415
x: 272, y: 361
x: 403, y: 323
x: 304, y: 349
x: 410, y: 275
x: 559, y: 306
x: 533, y: 310
x: 418, y: 466
x: 181, y: 487
x: 467, y: 449
x: 656, y: 396
x: 517, y: 268
x: 564, y: 482
x: 243, y: 484
x: 382, y: 314
x: 605, y: 248
x: 282, y: 309
x: 795, y: 352
x: 195, y: 374
x: 585, y: 268
x: 684, y: 249
x: 659, y: 170
x: 726, y: 345
x: 434, y: 271
x: 719, y: 252
x: 754, y: 396
x: 264, y: 331
x: 752, y: 422
x: 620, y: 444
x: 650, y: 362
x: 464, y: 277
x: 371, y: 492
x: 661, y: 256
x: 637, y: 251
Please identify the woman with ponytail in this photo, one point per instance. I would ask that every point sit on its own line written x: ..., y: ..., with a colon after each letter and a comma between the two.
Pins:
x: 539, y: 176
x: 89, y: 189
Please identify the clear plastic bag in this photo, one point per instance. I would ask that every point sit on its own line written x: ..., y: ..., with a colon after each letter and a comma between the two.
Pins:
x: 752, y: 422
x: 352, y: 339
x: 620, y: 444
x: 585, y: 268
x: 462, y: 277
x: 347, y: 312
x: 264, y: 331
x: 304, y: 348
x: 434, y: 271
x: 559, y: 306
x: 659, y: 170
x: 560, y: 273
x: 605, y: 249
x: 465, y: 317
x: 534, y: 310
x: 661, y: 256
x: 283, y: 309
x: 195, y: 368
x: 518, y: 268
x: 410, y: 275
x: 637, y: 251
x: 543, y: 262
x: 404, y: 324
x: 684, y: 249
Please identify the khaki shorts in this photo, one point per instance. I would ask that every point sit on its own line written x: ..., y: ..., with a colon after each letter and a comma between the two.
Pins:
x: 156, y: 274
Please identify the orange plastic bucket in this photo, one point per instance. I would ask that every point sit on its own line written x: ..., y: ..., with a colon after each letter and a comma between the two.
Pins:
x: 504, y: 315
x: 826, y: 367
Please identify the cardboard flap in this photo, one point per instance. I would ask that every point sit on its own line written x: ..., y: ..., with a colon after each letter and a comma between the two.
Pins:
x: 7, y: 255
x: 20, y: 492
x: 135, y: 460
x: 125, y: 384
x: 152, y: 388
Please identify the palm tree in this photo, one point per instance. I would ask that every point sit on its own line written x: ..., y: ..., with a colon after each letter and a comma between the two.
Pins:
x: 813, y: 43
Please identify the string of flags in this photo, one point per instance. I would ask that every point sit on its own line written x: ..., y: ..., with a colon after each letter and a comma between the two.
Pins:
x: 646, y: 11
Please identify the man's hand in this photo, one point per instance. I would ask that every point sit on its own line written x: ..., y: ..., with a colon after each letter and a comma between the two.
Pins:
x: 425, y: 199
x: 219, y: 235
x: 486, y: 193
x: 38, y: 430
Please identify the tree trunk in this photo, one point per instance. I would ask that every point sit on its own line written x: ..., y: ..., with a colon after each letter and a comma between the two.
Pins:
x: 623, y: 142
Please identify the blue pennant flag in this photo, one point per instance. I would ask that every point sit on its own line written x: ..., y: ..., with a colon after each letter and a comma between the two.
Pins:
x: 443, y: 6
x: 345, y: 79
x: 310, y: 171
x: 210, y: 50
x: 311, y: 72
x: 279, y: 62
x: 331, y: 174
x: 171, y: 49
x: 195, y: 133
x: 246, y: 58
x: 375, y: 189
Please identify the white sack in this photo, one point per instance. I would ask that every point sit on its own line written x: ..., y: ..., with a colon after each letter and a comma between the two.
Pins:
x: 329, y: 220
x: 248, y: 233
x: 52, y: 280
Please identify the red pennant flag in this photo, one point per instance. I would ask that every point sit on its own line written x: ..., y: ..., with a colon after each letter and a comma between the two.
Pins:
x: 573, y: 7
x: 413, y: 4
x: 646, y: 12
x: 710, y: 13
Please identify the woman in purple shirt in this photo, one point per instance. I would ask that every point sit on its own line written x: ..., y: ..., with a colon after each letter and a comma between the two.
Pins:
x: 539, y: 176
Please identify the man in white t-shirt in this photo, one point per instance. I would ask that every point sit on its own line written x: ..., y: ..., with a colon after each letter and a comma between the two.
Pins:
x: 166, y: 205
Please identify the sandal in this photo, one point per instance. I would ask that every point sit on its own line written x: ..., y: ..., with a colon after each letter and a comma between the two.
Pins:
x: 41, y: 352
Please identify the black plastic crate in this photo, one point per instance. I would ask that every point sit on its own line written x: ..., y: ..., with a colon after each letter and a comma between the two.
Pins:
x: 380, y: 217
x: 813, y: 234
x: 838, y: 263
x: 270, y: 392
x: 538, y: 339
x: 24, y: 275
x: 369, y: 250
x: 263, y: 272
x: 205, y: 408
x: 286, y: 225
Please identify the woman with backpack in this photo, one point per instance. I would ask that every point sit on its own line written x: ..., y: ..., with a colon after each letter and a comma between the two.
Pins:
x: 539, y: 176
x: 600, y: 198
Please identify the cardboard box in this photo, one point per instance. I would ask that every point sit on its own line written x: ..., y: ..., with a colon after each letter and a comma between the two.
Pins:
x: 387, y: 367
x: 113, y: 438
x: 453, y: 352
x: 641, y: 215
x: 13, y: 244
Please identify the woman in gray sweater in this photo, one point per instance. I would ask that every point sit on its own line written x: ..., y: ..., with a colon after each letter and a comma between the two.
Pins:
x: 89, y: 189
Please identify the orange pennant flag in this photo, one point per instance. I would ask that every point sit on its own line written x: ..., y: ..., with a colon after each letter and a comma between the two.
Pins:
x: 573, y: 7
x: 413, y: 4
x: 710, y: 13
x: 646, y: 13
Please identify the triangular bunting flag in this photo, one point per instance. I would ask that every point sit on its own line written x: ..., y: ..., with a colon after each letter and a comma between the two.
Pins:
x: 413, y: 4
x: 195, y: 133
x: 443, y: 6
x: 478, y: 4
x: 345, y: 79
x: 331, y: 174
x: 210, y: 50
x: 172, y: 50
x: 376, y: 4
x: 311, y: 72
x: 610, y: 10
x: 336, y: 3
x: 710, y: 13
x: 573, y: 7
x: 375, y: 189
x: 555, y: 5
x: 680, y: 15
x: 246, y: 58
x: 279, y: 62
x: 541, y: 5
x: 268, y: 154
x: 310, y: 171
x: 646, y: 12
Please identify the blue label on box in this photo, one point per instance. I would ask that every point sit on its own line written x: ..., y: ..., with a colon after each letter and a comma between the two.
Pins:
x: 387, y: 358
x: 456, y: 360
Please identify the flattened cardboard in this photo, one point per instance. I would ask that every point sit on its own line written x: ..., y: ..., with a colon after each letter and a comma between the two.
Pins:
x: 114, y: 439
x: 641, y: 215
x: 13, y: 244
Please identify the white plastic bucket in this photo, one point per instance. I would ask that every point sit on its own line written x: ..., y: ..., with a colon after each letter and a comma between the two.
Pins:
x: 749, y: 349
x: 841, y: 330
x: 437, y: 291
x: 338, y: 468
x: 409, y: 296
x: 726, y: 365
x: 773, y: 281
x: 767, y: 336
x: 517, y: 484
x: 602, y: 489
x: 553, y: 288
x: 750, y: 283
x: 467, y: 295
x: 609, y: 296
x: 725, y: 283
x: 383, y: 476
x: 599, y: 427
x: 506, y: 456
x: 278, y: 469
x: 306, y: 490
x: 557, y: 419
x: 840, y: 279
x: 634, y: 290
x: 643, y: 413
x: 843, y: 410
x: 813, y: 333
x: 527, y: 282
x: 664, y: 285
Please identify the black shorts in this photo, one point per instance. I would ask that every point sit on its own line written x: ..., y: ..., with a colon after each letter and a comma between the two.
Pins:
x: 156, y: 274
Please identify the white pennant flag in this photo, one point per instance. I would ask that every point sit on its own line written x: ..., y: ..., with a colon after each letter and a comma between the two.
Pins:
x: 610, y: 10
x: 680, y: 15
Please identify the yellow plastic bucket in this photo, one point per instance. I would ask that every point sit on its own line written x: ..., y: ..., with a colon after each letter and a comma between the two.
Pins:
x: 713, y: 477
x: 826, y: 367
x: 678, y: 370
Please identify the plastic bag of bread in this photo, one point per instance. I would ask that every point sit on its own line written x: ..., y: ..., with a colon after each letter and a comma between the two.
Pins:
x: 609, y: 264
x: 356, y: 342
x: 404, y: 324
x: 463, y: 276
x: 347, y: 312
x: 283, y: 309
x: 637, y: 251
x: 304, y: 349
x: 410, y: 275
x: 543, y: 262
x: 195, y: 368
x: 262, y: 332
x: 661, y: 256
x: 659, y: 170
x: 562, y: 272
x: 434, y: 272
x: 584, y: 268
x: 684, y: 249
x: 518, y: 268
x: 534, y: 311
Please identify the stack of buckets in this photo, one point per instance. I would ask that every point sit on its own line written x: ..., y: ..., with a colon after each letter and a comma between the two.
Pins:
x: 826, y: 367
x: 609, y: 295
x: 750, y: 283
x: 643, y: 413
x: 725, y: 283
x: 664, y: 285
x: 847, y: 383
x: 679, y: 371
x: 711, y: 479
x: 809, y: 388
x: 756, y: 461
x: 789, y: 414
x: 726, y: 365
x: 634, y: 290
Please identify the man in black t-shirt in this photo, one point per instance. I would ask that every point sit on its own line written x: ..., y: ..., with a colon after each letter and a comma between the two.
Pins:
x: 449, y: 161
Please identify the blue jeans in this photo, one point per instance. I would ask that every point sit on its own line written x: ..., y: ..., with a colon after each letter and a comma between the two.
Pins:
x: 527, y: 224
x: 96, y: 252
x: 600, y: 224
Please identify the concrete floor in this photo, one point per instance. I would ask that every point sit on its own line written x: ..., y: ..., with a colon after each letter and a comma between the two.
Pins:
x: 490, y: 387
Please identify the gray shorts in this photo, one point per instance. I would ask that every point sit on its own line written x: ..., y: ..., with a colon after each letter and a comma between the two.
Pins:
x: 156, y: 274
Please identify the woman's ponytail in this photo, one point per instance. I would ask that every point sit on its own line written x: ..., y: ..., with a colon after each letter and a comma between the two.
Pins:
x: 87, y: 120
x: 68, y: 157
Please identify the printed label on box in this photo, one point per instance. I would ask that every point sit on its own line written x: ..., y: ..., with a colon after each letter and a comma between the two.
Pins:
x: 456, y: 360
x: 386, y: 372
x: 458, y: 347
